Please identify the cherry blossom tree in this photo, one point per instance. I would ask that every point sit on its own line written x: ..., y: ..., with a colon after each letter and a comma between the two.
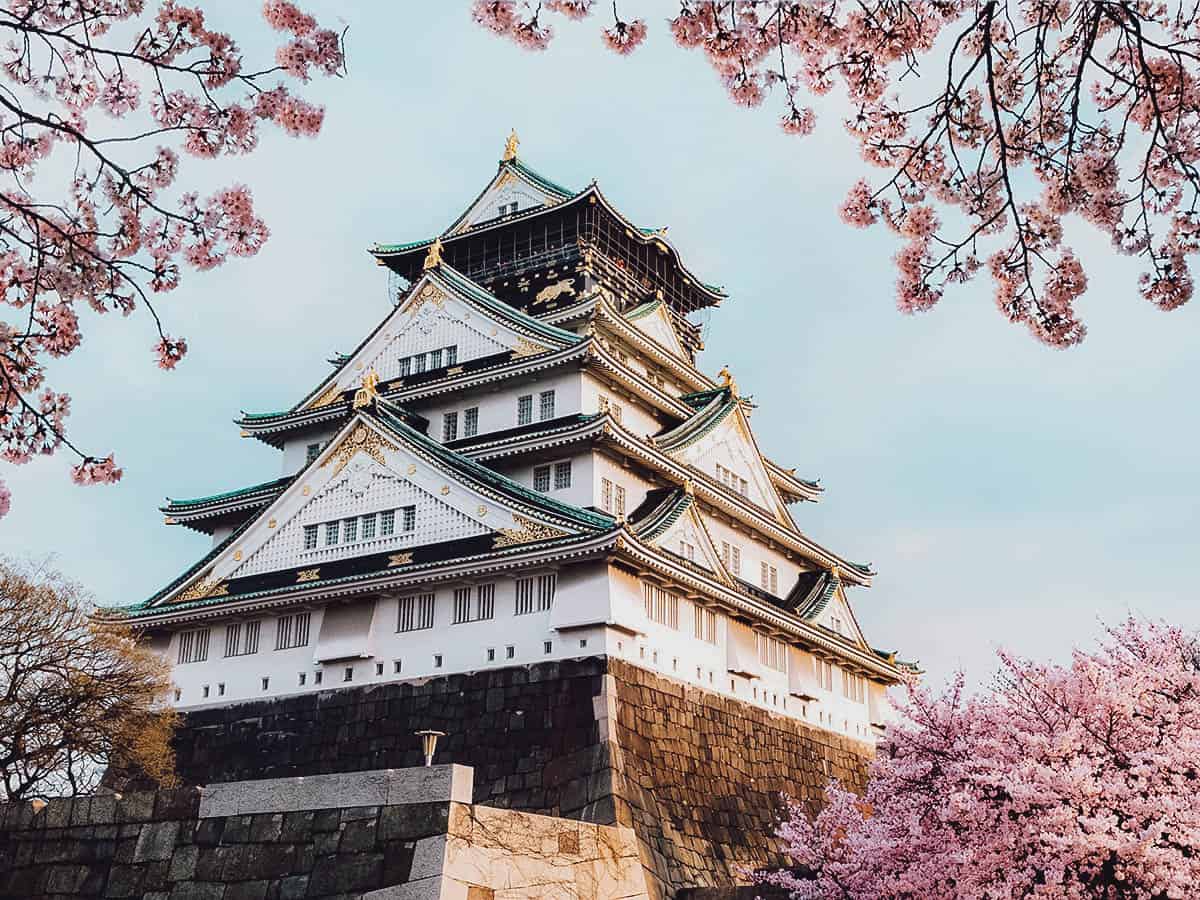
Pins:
x: 1061, y: 782
x: 98, y: 97
x: 991, y: 123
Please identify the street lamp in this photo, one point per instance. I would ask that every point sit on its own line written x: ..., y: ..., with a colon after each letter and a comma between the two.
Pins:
x: 429, y: 739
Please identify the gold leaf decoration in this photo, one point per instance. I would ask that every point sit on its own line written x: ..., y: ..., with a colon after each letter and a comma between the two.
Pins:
x: 332, y: 395
x: 203, y: 589
x: 527, y: 348
x: 526, y: 532
x: 431, y: 293
x: 554, y: 291
x: 308, y: 575
x: 399, y: 559
x: 361, y: 440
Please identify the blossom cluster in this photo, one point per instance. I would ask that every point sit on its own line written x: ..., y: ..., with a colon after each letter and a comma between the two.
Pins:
x: 125, y: 229
x: 991, y: 121
x: 1072, y: 782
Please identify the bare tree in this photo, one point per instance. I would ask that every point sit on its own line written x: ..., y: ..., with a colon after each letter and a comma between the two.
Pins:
x: 74, y: 693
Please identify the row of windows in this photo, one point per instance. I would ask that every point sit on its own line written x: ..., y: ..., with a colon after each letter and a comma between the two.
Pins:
x: 768, y: 577
x: 470, y: 424
x: 561, y: 472
x: 772, y: 653
x: 661, y: 605
x: 532, y: 594
x: 731, y: 555
x: 612, y: 497
x: 424, y: 362
x: 360, y: 528
x: 525, y: 407
x: 241, y: 638
x: 731, y: 480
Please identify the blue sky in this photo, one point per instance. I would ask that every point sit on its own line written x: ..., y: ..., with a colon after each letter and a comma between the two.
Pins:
x: 1007, y: 494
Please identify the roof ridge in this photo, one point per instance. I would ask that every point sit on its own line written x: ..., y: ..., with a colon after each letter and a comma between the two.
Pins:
x: 225, y: 495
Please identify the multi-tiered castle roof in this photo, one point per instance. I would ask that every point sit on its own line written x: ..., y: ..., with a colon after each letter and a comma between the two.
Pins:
x: 522, y: 461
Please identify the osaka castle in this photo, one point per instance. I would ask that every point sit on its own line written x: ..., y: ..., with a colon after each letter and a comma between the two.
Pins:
x: 523, y: 462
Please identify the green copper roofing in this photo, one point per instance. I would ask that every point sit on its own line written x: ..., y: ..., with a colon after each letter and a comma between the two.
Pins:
x: 541, y: 180
x: 227, y: 495
x: 660, y: 519
x: 401, y: 248
x: 818, y: 598
x: 265, y: 415
x: 703, y: 422
x: 639, y: 312
x: 461, y: 282
x: 700, y: 399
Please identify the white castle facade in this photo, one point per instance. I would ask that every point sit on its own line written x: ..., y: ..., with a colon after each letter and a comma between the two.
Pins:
x: 522, y: 463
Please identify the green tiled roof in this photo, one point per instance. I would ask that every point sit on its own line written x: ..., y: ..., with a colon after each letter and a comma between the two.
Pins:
x: 712, y: 414
x: 227, y: 495
x: 541, y: 180
x: 401, y: 248
x: 645, y: 309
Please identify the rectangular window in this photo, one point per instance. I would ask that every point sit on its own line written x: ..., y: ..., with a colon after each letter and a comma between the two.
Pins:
x: 606, y: 495
x: 524, y: 597
x: 405, y: 366
x: 311, y: 452
x: 546, y: 405
x: 387, y: 522
x: 731, y: 555
x: 462, y: 605
x: 193, y: 646
x: 768, y: 577
x: 450, y: 426
x: 349, y: 674
x: 368, y: 526
x: 541, y: 478
x: 435, y: 359
x: 241, y: 638
x: 545, y: 590
x: 350, y: 530
x: 310, y: 536
x: 535, y: 594
x: 742, y: 486
x: 292, y: 631
x: 617, y: 412
x: 706, y: 624
x: 661, y: 605
x: 772, y: 653
x: 854, y: 687
x: 331, y: 533
x: 485, y: 601
x: 525, y: 409
x: 824, y: 673
x: 687, y: 550
x: 451, y: 355
x: 562, y: 475
x: 471, y: 422
x: 620, y: 510
x: 418, y: 363
x: 250, y: 637
x: 410, y: 517
x: 416, y: 612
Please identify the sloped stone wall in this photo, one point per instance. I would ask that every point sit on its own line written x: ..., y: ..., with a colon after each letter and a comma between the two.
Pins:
x: 696, y: 774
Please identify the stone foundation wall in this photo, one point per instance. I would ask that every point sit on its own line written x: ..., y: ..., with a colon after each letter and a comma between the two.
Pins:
x: 697, y: 775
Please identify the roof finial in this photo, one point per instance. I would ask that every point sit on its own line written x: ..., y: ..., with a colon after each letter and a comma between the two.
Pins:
x: 689, y: 489
x: 835, y: 571
x: 510, y: 147
x: 727, y: 380
x: 433, y: 258
x: 369, y: 392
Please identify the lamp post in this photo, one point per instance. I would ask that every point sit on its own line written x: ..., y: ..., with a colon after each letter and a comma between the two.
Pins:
x: 429, y: 739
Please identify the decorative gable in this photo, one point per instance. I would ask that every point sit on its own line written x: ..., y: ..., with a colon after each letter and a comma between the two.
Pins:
x: 654, y: 321
x: 838, y: 617
x: 688, y: 538
x: 444, y: 321
x: 515, y: 189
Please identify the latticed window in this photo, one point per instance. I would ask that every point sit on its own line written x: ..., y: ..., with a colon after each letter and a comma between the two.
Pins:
x: 541, y: 478
x: 350, y: 530
x: 331, y: 533
x: 405, y: 366
x: 462, y: 605
x: 772, y: 653
x: 418, y: 363
x: 535, y: 594
x: 450, y: 426
x: 824, y: 672
x: 387, y: 522
x: 731, y: 555
x: 854, y: 687
x: 620, y: 505
x: 241, y: 638
x: 485, y: 601
x: 410, y: 517
x: 525, y: 409
x: 606, y: 494
x: 687, y: 550
x: 292, y: 631
x: 546, y: 405
x: 451, y: 355
x: 435, y: 359
x: 705, y: 624
x: 311, y: 452
x: 768, y: 577
x: 310, y: 536
x: 193, y: 646
x: 416, y: 612
x: 661, y: 605
x: 471, y: 422
x: 562, y: 475
x: 368, y: 526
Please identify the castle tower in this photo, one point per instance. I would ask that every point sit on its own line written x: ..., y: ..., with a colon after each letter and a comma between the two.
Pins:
x: 522, y: 463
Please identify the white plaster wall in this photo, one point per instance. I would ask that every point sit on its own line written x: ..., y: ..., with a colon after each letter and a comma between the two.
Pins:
x: 634, y: 417
x: 580, y: 492
x: 295, y: 451
x: 498, y: 405
x: 754, y: 552
x: 635, y: 486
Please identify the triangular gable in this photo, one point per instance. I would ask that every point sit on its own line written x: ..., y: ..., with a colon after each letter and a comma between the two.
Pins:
x: 514, y: 183
x: 676, y: 526
x: 820, y: 597
x: 719, y: 435
x: 839, y: 617
x: 443, y: 310
x: 376, y: 466
x: 653, y: 319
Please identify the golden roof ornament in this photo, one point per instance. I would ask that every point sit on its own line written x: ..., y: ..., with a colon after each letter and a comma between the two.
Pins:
x: 510, y: 147
x: 367, y: 394
x: 727, y: 380
x: 433, y: 258
x: 835, y: 571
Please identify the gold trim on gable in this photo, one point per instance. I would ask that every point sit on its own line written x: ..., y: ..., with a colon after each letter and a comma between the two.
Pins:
x: 362, y: 439
x: 332, y: 395
x: 203, y: 589
x: 526, y: 532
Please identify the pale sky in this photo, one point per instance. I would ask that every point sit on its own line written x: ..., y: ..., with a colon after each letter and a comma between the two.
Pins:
x: 1006, y: 493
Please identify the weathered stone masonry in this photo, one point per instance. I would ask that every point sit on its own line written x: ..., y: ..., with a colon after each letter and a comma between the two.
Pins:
x: 697, y: 775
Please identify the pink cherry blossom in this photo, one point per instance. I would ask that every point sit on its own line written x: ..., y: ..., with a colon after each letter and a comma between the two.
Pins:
x: 5, y: 499
x: 997, y: 120
x: 1071, y: 782
x: 111, y: 240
